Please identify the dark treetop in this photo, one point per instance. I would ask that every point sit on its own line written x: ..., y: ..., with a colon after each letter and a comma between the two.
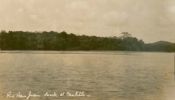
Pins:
x: 19, y: 40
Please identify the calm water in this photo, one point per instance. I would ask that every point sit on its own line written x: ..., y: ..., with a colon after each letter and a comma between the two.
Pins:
x: 101, y: 75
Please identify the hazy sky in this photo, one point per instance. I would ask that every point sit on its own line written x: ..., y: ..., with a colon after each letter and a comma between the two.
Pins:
x: 150, y: 20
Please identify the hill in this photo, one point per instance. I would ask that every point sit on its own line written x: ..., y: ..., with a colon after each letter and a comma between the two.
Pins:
x: 160, y: 46
x: 19, y: 40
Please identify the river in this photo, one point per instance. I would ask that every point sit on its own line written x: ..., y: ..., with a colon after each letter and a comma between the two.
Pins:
x: 105, y: 75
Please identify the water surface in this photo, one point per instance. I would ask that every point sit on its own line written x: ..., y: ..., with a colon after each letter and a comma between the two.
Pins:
x: 102, y: 75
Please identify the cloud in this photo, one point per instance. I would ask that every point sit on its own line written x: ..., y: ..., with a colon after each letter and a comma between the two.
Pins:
x: 147, y: 19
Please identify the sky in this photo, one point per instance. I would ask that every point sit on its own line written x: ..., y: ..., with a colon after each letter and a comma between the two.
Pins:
x: 150, y: 20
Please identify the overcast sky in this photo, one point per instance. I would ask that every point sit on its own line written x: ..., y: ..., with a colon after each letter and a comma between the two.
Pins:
x: 150, y: 20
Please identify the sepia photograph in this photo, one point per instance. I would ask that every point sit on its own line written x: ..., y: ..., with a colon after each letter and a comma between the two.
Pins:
x: 87, y: 50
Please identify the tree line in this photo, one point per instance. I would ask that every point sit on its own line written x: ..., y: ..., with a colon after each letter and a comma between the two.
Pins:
x: 20, y: 40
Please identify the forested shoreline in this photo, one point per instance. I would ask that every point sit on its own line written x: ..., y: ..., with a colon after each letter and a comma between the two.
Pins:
x: 20, y: 40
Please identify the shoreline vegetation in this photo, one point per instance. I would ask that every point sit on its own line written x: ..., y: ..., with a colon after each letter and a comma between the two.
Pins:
x: 63, y: 41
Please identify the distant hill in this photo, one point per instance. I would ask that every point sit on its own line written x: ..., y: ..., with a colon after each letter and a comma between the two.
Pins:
x: 160, y: 46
